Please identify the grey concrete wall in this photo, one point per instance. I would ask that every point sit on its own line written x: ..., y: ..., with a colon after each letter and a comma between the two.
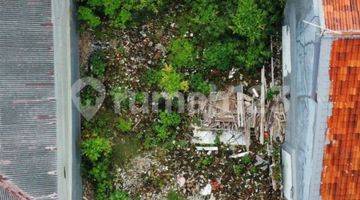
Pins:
x: 308, y: 85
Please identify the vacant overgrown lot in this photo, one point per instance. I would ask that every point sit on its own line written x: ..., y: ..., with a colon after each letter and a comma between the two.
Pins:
x: 172, y: 46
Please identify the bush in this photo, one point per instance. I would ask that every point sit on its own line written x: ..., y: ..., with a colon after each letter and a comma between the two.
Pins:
x: 119, y: 13
x: 206, y: 19
x: 98, y: 64
x: 164, y: 129
x: 182, y: 53
x: 95, y: 148
x: 163, y: 132
x: 171, y: 81
x: 124, y: 125
x: 173, y: 195
x: 87, y: 15
x: 249, y: 21
x: 219, y: 55
x: 255, y: 56
x: 238, y: 170
x: 119, y: 195
x: 198, y: 84
x: 152, y: 77
x: 205, y: 162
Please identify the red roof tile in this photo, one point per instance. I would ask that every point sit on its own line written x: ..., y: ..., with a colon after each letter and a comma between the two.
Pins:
x: 341, y: 168
x: 342, y: 15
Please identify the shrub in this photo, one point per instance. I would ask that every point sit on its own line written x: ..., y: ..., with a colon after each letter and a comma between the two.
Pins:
x: 173, y: 195
x: 100, y: 171
x: 119, y: 13
x: 255, y: 56
x: 119, y: 195
x: 219, y: 55
x: 171, y: 81
x: 205, y: 162
x: 198, y: 84
x: 164, y: 129
x: 182, y: 53
x: 168, y: 119
x: 249, y: 21
x: 95, y: 148
x: 238, y: 170
x: 98, y: 64
x: 140, y: 97
x: 246, y: 160
x: 87, y: 15
x: 206, y: 19
x: 88, y: 97
x: 152, y: 77
x: 124, y: 125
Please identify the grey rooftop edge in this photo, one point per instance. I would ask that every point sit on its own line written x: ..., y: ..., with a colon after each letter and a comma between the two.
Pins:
x: 39, y: 126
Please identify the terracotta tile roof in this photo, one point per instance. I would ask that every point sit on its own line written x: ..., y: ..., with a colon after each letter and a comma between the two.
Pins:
x: 341, y: 169
x: 342, y: 15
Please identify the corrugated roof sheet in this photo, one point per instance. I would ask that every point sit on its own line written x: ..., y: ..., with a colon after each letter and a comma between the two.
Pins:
x: 341, y: 167
x: 342, y: 15
x: 27, y: 97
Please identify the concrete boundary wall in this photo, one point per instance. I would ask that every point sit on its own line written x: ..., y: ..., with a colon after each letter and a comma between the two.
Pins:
x: 68, y: 119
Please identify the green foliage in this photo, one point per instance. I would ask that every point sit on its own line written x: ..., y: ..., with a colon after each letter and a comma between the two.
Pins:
x: 124, y: 125
x: 272, y: 93
x: 206, y: 19
x: 249, y: 21
x: 87, y: 15
x: 120, y: 97
x: 171, y: 81
x: 182, y: 53
x: 173, y: 195
x: 152, y: 77
x: 163, y: 132
x: 97, y: 152
x: 205, y: 162
x: 139, y: 97
x: 88, y: 96
x: 219, y: 55
x: 119, y: 195
x: 246, y: 160
x: 255, y: 56
x: 99, y: 172
x: 254, y: 170
x: 169, y: 119
x: 164, y: 129
x: 95, y: 148
x: 119, y: 13
x: 98, y: 64
x: 239, y: 170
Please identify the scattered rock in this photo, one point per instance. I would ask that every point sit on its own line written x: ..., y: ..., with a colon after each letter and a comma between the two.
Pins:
x: 206, y: 190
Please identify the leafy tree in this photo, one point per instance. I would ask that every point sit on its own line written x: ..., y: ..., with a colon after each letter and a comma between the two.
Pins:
x: 206, y: 19
x: 255, y: 56
x: 249, y: 21
x: 119, y: 13
x: 219, y: 55
x: 88, y: 16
